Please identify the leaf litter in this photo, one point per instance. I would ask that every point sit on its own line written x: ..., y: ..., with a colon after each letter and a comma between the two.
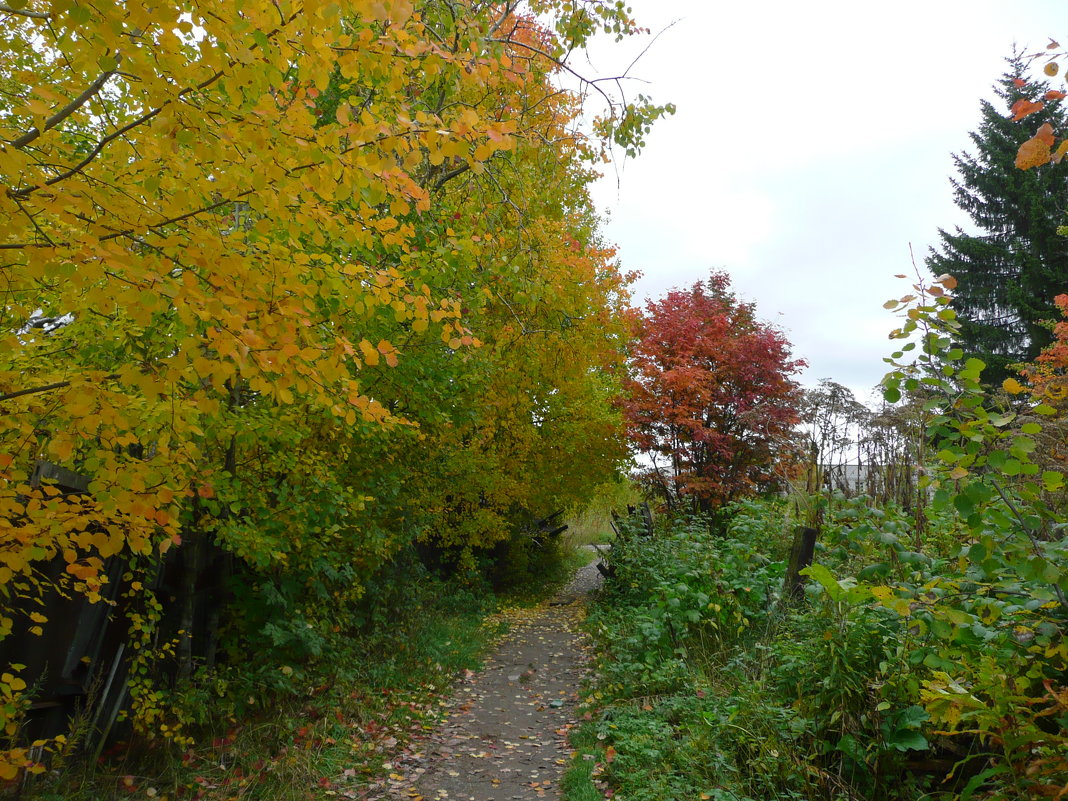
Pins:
x: 503, y: 733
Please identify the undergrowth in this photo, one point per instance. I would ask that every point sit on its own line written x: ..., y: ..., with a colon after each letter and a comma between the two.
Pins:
x: 329, y: 726
x: 709, y: 685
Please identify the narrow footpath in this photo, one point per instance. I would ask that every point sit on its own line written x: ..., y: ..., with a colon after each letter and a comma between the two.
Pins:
x: 504, y: 736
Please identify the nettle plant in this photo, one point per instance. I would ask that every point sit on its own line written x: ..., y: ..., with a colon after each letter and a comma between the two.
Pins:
x: 993, y: 617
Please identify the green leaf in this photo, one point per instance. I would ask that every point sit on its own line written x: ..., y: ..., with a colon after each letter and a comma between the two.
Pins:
x: 979, y: 779
x: 1023, y: 445
x: 826, y: 580
x: 914, y: 558
x: 913, y: 716
x: 964, y: 505
x: 876, y: 571
x: 1011, y: 467
x: 907, y: 739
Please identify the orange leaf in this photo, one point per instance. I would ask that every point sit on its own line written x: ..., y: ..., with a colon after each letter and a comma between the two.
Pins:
x: 1054, y: 94
x: 1019, y: 82
x: 1059, y: 153
x: 1035, y: 151
x: 1023, y: 108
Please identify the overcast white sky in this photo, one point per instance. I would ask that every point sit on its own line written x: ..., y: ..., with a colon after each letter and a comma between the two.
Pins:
x: 811, y: 146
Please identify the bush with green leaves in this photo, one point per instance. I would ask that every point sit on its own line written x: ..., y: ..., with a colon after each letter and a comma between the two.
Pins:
x: 996, y: 612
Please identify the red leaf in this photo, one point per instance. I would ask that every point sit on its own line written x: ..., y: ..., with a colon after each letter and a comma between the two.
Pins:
x: 1024, y: 108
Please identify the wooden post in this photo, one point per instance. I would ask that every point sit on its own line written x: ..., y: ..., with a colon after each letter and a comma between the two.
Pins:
x: 801, y: 552
x: 647, y: 519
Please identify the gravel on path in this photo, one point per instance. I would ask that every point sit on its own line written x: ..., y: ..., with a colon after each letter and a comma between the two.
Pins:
x: 504, y: 736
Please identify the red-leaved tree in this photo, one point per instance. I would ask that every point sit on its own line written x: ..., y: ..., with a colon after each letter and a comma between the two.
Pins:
x: 710, y: 398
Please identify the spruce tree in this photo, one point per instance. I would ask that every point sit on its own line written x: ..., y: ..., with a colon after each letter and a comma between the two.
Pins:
x: 1010, y: 270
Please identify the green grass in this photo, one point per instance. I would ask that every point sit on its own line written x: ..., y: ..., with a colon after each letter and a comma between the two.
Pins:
x: 577, y: 783
x: 593, y: 524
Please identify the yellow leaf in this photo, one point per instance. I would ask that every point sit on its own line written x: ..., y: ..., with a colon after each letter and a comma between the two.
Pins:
x: 370, y: 354
x: 1036, y: 150
x: 1012, y: 386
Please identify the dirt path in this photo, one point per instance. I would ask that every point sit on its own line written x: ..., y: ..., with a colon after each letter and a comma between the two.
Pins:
x: 504, y: 736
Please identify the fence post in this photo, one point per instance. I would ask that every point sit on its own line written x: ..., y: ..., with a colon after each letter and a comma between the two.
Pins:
x: 802, y: 550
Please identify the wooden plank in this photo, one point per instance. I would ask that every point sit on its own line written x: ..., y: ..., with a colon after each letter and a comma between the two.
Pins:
x: 66, y: 480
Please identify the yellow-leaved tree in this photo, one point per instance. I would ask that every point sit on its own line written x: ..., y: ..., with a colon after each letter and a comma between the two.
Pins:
x: 294, y: 281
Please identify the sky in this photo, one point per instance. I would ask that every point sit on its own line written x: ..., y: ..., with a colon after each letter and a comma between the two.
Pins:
x: 811, y: 149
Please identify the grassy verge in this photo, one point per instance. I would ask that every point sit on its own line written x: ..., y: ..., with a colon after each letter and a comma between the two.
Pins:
x: 579, y: 783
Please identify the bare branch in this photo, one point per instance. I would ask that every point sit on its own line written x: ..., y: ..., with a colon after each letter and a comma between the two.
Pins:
x: 562, y: 65
x: 47, y: 388
x: 446, y: 177
x: 64, y: 112
x: 21, y: 12
x: 99, y: 147
x: 35, y: 390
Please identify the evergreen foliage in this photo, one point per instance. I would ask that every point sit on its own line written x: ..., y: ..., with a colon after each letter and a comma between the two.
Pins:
x: 1011, y: 269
